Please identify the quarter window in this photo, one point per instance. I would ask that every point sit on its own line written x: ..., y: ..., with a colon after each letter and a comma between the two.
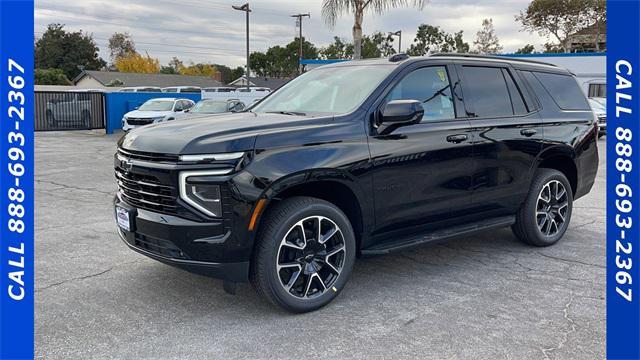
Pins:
x: 487, y: 92
x: 564, y: 90
x: 429, y: 85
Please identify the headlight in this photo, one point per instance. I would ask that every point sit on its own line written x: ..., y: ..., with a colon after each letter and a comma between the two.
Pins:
x: 198, y: 191
x: 155, y: 119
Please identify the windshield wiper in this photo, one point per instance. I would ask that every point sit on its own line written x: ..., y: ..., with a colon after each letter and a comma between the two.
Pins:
x: 293, y: 113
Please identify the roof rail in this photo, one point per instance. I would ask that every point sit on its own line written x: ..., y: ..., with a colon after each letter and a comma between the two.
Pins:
x: 494, y: 57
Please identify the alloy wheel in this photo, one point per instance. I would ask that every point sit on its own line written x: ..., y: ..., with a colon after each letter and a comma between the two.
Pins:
x: 311, y: 257
x: 551, y: 208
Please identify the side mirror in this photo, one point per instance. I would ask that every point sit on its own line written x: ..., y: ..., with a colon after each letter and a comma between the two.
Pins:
x: 186, y: 110
x: 398, y: 113
x: 136, y: 108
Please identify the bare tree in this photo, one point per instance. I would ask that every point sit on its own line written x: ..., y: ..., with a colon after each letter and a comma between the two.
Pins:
x: 332, y: 9
x: 487, y: 41
x: 121, y: 45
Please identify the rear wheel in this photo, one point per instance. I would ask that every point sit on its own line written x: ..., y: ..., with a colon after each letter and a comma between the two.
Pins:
x: 304, y: 255
x: 544, y: 216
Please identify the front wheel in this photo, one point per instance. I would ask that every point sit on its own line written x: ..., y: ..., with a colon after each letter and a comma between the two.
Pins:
x: 304, y: 254
x: 544, y: 216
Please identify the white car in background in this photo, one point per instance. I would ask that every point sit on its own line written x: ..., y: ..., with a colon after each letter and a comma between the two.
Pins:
x: 599, y: 107
x: 182, y: 89
x: 155, y: 111
x: 141, y: 89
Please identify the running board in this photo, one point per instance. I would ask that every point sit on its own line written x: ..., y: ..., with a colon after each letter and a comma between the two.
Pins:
x: 439, y: 235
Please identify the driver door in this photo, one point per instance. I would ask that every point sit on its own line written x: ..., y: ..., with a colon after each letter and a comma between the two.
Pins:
x: 422, y: 176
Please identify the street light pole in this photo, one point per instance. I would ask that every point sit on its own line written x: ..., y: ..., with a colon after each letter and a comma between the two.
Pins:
x: 246, y: 9
x: 299, y: 17
x: 399, y: 35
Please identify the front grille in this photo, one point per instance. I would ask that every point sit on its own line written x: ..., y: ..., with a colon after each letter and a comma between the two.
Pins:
x: 602, y: 120
x: 147, y: 156
x: 147, y: 192
x: 158, y: 246
x: 139, y: 121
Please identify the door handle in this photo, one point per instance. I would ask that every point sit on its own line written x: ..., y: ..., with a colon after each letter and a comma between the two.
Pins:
x: 457, y: 138
x: 528, y: 132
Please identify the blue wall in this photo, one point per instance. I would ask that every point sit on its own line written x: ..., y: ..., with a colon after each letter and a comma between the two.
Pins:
x: 119, y: 103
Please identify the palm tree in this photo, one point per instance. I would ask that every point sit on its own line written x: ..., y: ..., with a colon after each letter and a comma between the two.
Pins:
x: 332, y: 9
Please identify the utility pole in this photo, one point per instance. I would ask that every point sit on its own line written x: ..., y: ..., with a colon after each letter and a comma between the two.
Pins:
x: 299, y: 17
x: 246, y: 9
x: 399, y: 35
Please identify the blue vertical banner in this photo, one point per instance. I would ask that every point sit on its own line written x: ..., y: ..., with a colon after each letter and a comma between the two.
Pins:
x: 623, y: 180
x: 16, y: 179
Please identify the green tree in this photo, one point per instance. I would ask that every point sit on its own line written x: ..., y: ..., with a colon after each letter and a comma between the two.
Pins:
x: 552, y: 48
x: 338, y: 49
x: 168, y: 70
x: 555, y: 18
x: 377, y: 45
x: 527, y: 49
x: 237, y: 73
x: 487, y: 41
x: 281, y: 61
x: 67, y: 51
x: 121, y: 45
x: 51, y: 77
x: 431, y: 39
x: 333, y: 9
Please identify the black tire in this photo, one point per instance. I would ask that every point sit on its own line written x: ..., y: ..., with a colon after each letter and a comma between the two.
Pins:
x: 279, y: 222
x: 528, y: 226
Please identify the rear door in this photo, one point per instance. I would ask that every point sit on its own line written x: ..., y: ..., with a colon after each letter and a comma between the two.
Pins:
x: 507, y: 135
x: 422, y: 172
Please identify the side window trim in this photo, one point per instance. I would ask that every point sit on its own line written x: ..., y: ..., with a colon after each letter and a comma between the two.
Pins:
x: 468, y: 105
x: 508, y: 76
x: 452, y: 77
x: 530, y: 97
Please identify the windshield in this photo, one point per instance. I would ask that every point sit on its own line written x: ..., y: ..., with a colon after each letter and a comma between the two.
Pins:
x: 210, y: 107
x: 332, y: 90
x: 156, y: 105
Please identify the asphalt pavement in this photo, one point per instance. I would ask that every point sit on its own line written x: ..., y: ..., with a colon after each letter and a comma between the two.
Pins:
x: 484, y: 296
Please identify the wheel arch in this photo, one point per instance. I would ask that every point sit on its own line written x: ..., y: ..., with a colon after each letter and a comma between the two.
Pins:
x: 563, y: 159
x: 332, y: 186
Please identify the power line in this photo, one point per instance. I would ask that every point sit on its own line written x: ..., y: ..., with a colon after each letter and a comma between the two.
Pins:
x: 164, y: 44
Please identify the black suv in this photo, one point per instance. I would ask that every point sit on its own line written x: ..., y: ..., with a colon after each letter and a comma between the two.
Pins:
x: 358, y: 158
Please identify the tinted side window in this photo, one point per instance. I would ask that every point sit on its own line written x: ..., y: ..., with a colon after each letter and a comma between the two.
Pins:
x: 564, y: 91
x: 517, y: 101
x: 178, y: 106
x: 430, y: 85
x: 187, y: 104
x: 488, y: 91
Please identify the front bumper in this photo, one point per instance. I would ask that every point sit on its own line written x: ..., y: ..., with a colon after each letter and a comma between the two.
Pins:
x: 198, y: 247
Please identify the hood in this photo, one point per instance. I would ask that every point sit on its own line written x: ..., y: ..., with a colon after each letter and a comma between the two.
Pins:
x: 218, y: 133
x: 146, y: 114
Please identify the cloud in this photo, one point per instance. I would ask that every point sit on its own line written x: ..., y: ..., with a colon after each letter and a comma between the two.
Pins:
x: 211, y: 31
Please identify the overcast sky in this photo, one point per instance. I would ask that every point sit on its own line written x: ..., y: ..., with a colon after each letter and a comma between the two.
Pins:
x: 210, y: 31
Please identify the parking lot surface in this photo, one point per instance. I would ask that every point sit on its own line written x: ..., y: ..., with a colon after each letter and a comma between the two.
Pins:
x: 484, y: 296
